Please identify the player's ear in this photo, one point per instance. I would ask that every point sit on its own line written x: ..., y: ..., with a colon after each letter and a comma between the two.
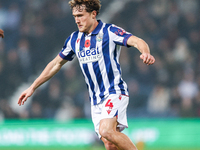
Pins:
x: 94, y: 14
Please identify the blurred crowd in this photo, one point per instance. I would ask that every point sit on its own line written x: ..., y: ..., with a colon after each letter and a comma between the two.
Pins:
x: 35, y: 32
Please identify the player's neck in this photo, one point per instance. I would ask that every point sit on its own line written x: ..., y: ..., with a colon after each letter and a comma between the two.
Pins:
x: 94, y: 25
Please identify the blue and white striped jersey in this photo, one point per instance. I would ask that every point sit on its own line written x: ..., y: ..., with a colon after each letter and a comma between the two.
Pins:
x: 98, y: 55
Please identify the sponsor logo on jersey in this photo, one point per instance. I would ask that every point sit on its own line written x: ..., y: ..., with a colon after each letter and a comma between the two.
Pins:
x: 88, y: 55
x: 120, y: 32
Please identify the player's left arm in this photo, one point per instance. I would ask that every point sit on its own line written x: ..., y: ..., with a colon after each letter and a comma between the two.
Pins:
x: 143, y: 47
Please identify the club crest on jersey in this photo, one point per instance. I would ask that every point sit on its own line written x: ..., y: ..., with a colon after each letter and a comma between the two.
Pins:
x: 99, y: 37
x: 88, y: 55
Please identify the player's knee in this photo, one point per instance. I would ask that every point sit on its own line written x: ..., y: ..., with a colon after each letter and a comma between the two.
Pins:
x: 107, y: 128
x: 105, y: 133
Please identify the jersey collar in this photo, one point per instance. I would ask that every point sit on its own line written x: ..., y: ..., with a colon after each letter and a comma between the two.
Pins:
x: 98, y: 28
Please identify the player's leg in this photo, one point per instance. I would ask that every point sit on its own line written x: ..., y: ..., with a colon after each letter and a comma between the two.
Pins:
x: 109, y: 145
x: 107, y: 130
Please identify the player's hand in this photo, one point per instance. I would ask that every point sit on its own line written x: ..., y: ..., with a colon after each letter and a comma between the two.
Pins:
x: 147, y: 58
x: 25, y: 95
x: 1, y: 33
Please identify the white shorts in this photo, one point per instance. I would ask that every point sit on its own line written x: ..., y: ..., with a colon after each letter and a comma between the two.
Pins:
x: 113, y: 105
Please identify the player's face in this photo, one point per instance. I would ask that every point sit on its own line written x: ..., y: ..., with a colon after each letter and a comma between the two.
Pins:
x: 84, y: 19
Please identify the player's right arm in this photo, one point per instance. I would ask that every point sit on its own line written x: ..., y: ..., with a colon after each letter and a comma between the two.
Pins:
x: 50, y: 70
x: 1, y: 33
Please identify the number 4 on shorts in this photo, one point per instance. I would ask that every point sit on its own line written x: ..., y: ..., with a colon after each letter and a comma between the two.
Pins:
x: 109, y: 104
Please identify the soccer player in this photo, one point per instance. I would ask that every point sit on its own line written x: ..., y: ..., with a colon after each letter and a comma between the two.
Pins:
x: 97, y: 47
x: 1, y: 33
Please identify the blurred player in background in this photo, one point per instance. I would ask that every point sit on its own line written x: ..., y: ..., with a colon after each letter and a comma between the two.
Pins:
x: 1, y: 33
x: 97, y: 46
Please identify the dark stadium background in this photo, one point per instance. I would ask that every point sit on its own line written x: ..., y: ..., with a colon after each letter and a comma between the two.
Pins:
x: 35, y: 32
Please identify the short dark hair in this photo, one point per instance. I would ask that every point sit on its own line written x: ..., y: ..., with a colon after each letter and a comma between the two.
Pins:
x: 91, y: 5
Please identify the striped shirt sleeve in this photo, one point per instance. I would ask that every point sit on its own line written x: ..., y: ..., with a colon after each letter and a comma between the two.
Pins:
x: 120, y: 36
x: 67, y: 52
